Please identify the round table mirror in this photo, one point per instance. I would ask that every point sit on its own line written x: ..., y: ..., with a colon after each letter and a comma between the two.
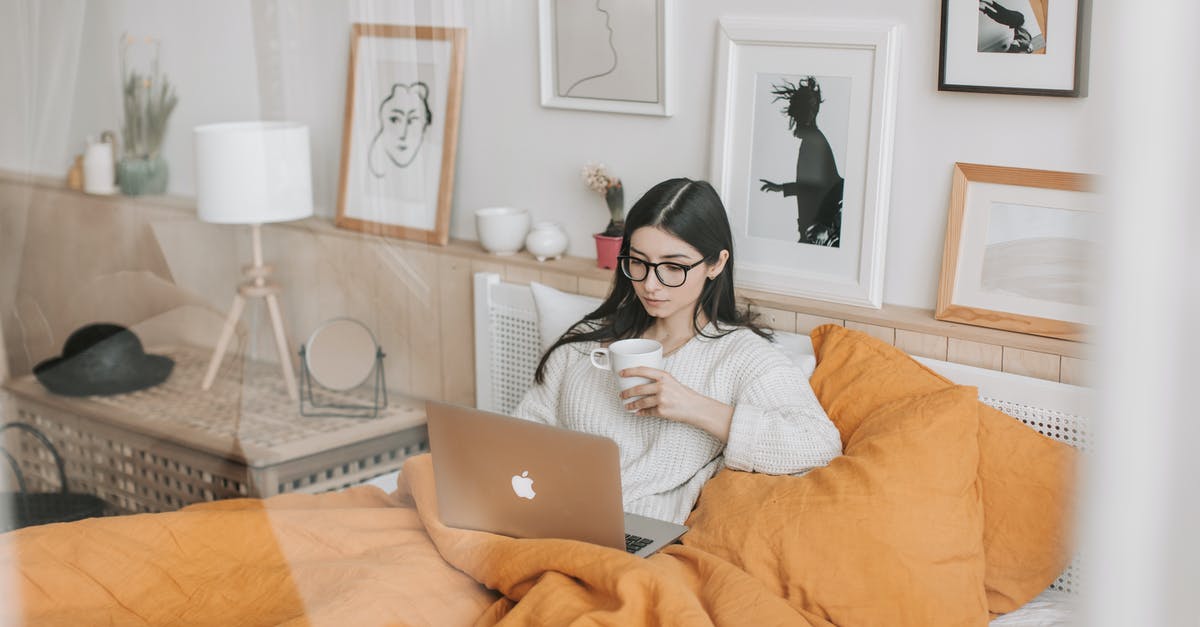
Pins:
x: 341, y: 353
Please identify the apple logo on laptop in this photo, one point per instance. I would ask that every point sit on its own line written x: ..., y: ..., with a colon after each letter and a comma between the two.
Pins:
x: 523, y: 486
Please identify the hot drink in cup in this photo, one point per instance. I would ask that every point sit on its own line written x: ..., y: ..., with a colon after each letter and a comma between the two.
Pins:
x: 631, y: 353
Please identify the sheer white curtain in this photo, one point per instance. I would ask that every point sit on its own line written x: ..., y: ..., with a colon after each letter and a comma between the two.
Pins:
x: 1142, y: 510
x: 38, y: 71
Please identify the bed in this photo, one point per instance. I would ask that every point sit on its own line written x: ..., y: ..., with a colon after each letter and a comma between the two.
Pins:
x: 377, y: 553
x: 509, y: 339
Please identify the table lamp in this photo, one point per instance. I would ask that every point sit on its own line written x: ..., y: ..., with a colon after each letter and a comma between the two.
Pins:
x: 253, y: 173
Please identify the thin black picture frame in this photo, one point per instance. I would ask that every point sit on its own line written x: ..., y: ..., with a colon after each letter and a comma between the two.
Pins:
x: 1082, y: 45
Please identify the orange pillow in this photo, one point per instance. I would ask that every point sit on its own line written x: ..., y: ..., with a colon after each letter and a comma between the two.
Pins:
x: 889, y: 533
x: 1027, y: 479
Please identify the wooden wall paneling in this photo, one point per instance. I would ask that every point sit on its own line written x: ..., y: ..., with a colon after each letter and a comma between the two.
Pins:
x: 424, y: 326
x: 487, y: 265
x: 457, y: 330
x: 297, y: 258
x: 778, y: 319
x: 14, y: 212
x: 921, y: 344
x: 887, y: 334
x: 1074, y: 371
x: 805, y: 323
x: 1032, y: 364
x: 397, y: 283
x: 560, y: 281
x: 524, y: 275
x: 916, y: 319
x: 594, y: 287
x: 78, y: 247
x: 976, y: 354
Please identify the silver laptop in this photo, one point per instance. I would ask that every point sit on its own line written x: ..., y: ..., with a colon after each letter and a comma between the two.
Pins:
x: 528, y: 480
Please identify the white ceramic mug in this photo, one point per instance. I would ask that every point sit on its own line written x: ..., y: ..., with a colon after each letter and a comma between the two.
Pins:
x: 630, y: 353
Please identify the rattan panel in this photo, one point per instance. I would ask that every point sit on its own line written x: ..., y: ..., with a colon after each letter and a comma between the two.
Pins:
x: 1063, y: 427
x: 516, y: 350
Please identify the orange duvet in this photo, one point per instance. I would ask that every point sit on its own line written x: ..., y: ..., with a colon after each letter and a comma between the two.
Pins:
x: 357, y: 557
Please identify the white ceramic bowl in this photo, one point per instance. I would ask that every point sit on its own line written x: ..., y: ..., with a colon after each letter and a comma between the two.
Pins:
x: 502, y: 230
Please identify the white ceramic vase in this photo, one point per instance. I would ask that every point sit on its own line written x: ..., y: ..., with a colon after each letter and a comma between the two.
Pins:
x: 547, y: 240
x: 501, y: 229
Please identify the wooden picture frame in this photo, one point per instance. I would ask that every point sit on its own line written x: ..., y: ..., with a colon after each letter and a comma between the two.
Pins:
x: 819, y: 233
x: 619, y: 58
x: 403, y: 82
x: 1018, y: 249
x: 1050, y: 37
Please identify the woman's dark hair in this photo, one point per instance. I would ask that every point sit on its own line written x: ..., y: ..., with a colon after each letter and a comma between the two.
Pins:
x: 804, y: 101
x: 692, y: 211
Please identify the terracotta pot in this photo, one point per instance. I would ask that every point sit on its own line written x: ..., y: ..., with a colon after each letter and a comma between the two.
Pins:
x: 607, y: 249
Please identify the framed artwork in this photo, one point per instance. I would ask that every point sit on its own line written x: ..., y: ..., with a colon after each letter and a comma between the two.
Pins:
x: 615, y: 55
x: 802, y: 153
x: 403, y: 96
x: 1020, y: 246
x: 1033, y: 47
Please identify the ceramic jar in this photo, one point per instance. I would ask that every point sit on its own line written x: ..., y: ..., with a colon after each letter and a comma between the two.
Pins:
x: 501, y: 230
x: 547, y: 240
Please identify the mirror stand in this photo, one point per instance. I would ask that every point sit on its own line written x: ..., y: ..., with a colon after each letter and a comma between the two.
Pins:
x: 311, y: 406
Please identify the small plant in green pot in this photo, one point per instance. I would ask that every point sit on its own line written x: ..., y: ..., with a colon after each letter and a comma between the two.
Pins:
x: 608, y: 242
x: 148, y: 101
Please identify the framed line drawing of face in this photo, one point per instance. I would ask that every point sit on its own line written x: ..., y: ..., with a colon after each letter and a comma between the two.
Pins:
x: 400, y: 130
x: 1020, y: 250
x: 802, y: 153
x: 607, y: 55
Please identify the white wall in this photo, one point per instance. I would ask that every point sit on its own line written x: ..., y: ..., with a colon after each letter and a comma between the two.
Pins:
x: 232, y: 59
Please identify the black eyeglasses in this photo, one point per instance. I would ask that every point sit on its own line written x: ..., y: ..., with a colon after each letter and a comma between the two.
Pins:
x: 669, y: 273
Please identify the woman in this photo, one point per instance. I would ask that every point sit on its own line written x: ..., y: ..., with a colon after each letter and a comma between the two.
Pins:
x: 725, y: 395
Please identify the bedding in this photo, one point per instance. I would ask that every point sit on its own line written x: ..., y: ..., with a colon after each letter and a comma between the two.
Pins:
x: 889, y: 533
x: 364, y: 558
x: 1027, y: 480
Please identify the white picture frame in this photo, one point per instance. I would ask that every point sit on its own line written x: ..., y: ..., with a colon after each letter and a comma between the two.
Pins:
x: 617, y: 57
x: 857, y: 61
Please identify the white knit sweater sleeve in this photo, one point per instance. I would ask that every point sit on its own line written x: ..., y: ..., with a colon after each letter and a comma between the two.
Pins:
x: 541, y: 400
x: 778, y: 425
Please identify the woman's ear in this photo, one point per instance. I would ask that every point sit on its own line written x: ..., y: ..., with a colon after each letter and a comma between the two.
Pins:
x: 718, y: 267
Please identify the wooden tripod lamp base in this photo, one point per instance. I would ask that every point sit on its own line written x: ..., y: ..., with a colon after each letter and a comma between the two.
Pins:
x: 253, y: 173
x: 256, y: 285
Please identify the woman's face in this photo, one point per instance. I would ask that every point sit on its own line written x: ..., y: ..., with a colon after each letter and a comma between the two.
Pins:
x: 655, y: 245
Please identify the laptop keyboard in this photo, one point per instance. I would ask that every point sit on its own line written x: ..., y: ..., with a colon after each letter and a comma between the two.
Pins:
x: 633, y: 543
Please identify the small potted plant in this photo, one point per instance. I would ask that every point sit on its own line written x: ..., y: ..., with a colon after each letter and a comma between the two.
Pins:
x: 148, y: 100
x: 608, y: 242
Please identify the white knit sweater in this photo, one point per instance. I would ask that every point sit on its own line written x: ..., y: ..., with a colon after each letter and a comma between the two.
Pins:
x: 778, y: 426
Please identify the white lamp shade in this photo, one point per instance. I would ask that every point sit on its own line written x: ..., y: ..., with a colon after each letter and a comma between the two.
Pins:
x: 253, y: 172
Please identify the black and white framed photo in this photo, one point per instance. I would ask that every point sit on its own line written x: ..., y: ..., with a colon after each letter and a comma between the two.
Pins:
x: 608, y: 55
x: 400, y: 132
x: 1030, y: 47
x: 803, y: 151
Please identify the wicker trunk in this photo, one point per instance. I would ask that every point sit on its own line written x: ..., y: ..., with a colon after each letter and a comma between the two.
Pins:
x: 171, y: 445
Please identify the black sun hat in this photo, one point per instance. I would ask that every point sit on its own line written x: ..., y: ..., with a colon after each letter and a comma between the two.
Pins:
x: 102, y: 359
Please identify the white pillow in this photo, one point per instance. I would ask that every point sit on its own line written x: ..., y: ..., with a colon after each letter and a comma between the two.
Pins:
x: 558, y: 310
x: 799, y: 349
